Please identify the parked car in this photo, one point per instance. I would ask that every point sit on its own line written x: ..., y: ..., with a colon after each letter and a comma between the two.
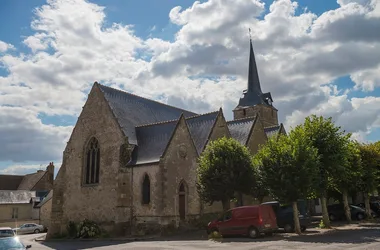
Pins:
x: 6, y: 232
x: 13, y: 243
x: 285, y: 216
x: 29, y: 228
x: 374, y: 206
x: 336, y: 212
x: 246, y: 220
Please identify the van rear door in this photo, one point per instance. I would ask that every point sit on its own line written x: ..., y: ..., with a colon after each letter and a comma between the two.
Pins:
x: 268, y: 216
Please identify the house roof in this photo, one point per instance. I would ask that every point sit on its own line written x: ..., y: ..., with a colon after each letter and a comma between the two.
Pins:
x: 152, y: 141
x: 16, y: 196
x: 200, y: 127
x: 46, y: 199
x: 30, y: 180
x: 10, y: 182
x: 131, y: 110
x: 241, y: 128
x: 272, y: 130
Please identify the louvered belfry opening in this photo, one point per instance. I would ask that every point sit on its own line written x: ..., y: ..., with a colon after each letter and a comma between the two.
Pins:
x: 92, y: 162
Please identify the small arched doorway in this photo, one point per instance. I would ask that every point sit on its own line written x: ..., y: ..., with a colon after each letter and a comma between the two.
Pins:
x: 182, y: 201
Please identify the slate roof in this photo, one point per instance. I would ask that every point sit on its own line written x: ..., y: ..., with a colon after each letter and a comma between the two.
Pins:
x: 241, y: 128
x: 131, y: 110
x: 273, y: 130
x: 152, y: 141
x: 30, y: 180
x: 200, y: 128
x: 46, y: 199
x: 10, y: 182
x: 16, y: 196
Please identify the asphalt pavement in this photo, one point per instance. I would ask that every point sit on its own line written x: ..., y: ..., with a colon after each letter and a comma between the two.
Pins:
x: 365, y: 237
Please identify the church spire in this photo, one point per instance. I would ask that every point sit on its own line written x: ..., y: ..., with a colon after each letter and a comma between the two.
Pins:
x: 253, y: 95
x: 253, y: 75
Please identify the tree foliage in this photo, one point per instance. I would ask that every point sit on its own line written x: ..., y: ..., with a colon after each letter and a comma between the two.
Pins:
x: 331, y: 144
x: 288, y: 166
x: 370, y: 159
x: 225, y: 169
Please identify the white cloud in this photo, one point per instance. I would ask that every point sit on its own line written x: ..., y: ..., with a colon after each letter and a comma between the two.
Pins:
x: 5, y: 46
x: 298, y: 56
x: 18, y: 169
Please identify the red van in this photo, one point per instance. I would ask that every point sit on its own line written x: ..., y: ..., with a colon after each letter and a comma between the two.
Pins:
x: 245, y: 220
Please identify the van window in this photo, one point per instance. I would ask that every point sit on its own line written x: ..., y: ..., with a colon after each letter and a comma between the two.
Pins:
x: 227, y: 215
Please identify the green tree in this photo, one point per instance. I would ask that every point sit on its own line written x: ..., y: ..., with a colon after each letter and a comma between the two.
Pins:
x: 370, y: 159
x: 225, y: 169
x: 331, y: 143
x: 349, y: 177
x: 289, y: 168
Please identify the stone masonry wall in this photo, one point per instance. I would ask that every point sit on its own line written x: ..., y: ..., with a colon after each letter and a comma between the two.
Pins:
x: 45, y: 213
x: 95, y: 202
x: 269, y: 116
x: 147, y: 212
x: 179, y: 163
x: 257, y: 137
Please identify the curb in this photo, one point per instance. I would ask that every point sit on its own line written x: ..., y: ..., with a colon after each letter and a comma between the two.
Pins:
x: 42, y: 239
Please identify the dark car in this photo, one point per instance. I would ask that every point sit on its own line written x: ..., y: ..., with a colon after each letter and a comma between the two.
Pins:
x: 374, y: 206
x: 336, y: 212
x: 12, y: 243
x: 285, y: 216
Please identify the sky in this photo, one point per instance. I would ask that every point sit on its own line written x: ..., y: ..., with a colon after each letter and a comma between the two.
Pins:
x: 315, y: 57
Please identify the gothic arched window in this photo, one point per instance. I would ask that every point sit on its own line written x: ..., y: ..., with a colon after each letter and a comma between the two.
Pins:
x: 92, y: 162
x: 146, y: 190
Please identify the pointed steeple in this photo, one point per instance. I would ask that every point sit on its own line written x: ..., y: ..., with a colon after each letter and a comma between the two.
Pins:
x: 253, y: 94
x: 253, y: 75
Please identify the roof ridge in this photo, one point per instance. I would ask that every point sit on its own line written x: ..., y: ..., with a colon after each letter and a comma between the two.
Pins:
x: 156, y: 123
x: 125, y: 92
x: 244, y: 118
x: 195, y: 116
x: 272, y: 126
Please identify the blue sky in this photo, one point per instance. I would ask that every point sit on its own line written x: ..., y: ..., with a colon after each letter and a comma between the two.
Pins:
x: 149, y: 31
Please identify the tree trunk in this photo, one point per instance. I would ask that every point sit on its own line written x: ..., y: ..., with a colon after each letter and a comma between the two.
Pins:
x: 325, y: 213
x: 226, y: 204
x: 297, y: 226
x: 347, y: 210
x: 367, y: 206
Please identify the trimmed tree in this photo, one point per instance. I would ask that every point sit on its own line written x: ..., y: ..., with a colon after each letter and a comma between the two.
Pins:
x: 370, y: 159
x: 289, y: 168
x: 331, y: 144
x: 225, y: 169
x: 348, y: 180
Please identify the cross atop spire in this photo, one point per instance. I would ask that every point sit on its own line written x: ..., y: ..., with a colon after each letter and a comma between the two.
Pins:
x: 253, y: 95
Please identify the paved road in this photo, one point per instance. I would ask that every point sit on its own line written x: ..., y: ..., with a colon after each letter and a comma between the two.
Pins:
x: 365, y: 238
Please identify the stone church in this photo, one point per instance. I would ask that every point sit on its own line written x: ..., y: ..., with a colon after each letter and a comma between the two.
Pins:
x: 132, y: 160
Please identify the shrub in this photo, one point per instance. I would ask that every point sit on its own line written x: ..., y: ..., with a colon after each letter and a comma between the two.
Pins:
x: 322, y: 224
x: 215, y: 236
x: 88, y: 229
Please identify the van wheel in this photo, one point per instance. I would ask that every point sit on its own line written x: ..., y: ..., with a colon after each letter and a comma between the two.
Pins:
x: 288, y: 228
x: 253, y: 233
